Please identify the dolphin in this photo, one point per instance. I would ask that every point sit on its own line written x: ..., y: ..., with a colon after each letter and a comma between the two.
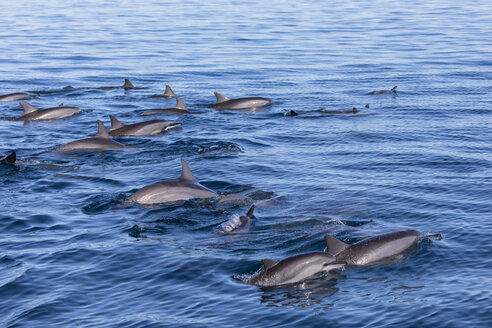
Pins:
x: 119, y: 129
x: 180, y: 108
x: 294, y: 269
x: 382, y: 92
x: 237, y: 223
x: 169, y: 191
x: 382, y: 249
x: 241, y: 103
x: 100, y: 142
x: 168, y: 93
x: 127, y: 86
x: 31, y: 113
x: 10, y: 159
x: 17, y: 96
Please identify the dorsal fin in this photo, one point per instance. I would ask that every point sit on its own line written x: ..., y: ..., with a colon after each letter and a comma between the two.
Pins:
x: 394, y: 88
x: 334, y: 246
x: 186, y: 173
x: 128, y: 84
x: 115, y: 124
x: 60, y: 105
x: 169, y: 92
x: 28, y: 108
x: 101, y: 130
x: 268, y: 263
x: 220, y: 98
x: 250, y: 212
x: 9, y: 159
x: 180, y: 104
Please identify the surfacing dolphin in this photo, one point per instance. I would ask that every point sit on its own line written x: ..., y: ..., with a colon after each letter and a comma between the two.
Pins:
x: 17, y: 96
x: 382, y: 249
x: 180, y: 108
x: 354, y: 110
x: 168, y: 93
x: 237, y: 224
x: 32, y: 113
x: 382, y: 92
x: 294, y: 269
x: 147, y: 128
x: 240, y: 103
x: 100, y: 142
x: 127, y: 86
x: 169, y: 191
x: 10, y: 159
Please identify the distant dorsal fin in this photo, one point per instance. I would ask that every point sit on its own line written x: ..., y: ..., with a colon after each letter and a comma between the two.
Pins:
x: 180, y: 104
x: 186, y: 173
x: 268, y: 263
x: 394, y: 88
x: 220, y: 97
x: 9, y: 159
x: 334, y: 246
x: 101, y: 130
x: 169, y: 92
x: 128, y: 85
x: 250, y: 212
x: 115, y: 124
x: 28, y: 108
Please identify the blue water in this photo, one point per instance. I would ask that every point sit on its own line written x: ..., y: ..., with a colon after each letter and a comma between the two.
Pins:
x: 73, y: 254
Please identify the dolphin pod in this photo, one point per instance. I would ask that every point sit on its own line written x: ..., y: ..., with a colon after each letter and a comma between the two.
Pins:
x: 32, y: 113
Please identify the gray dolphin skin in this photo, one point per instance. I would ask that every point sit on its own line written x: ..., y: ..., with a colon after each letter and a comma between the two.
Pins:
x: 383, y: 249
x: 169, y: 191
x: 147, y: 128
x: 17, y: 96
x: 32, y: 113
x: 168, y: 93
x: 100, y: 142
x: 294, y: 269
x: 240, y: 103
x: 382, y: 92
x: 180, y: 108
x: 237, y: 225
x: 127, y: 86
x: 10, y: 159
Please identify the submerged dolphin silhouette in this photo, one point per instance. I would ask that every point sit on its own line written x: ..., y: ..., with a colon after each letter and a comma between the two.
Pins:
x: 382, y: 249
x: 17, y: 96
x: 119, y: 129
x: 382, y: 92
x: 240, y: 103
x: 168, y: 93
x: 169, y: 191
x: 100, y: 142
x: 180, y: 108
x: 10, y: 159
x: 32, y: 113
x: 294, y: 269
x: 127, y: 86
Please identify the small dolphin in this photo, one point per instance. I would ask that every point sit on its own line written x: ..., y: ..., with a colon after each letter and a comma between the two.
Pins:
x: 241, y: 103
x: 295, y: 268
x: 169, y: 191
x: 127, y: 86
x: 382, y: 92
x: 31, y: 113
x: 180, y: 108
x: 100, y: 142
x: 17, y: 96
x: 237, y: 224
x: 168, y: 93
x: 10, y: 159
x: 342, y: 111
x: 119, y: 129
x: 381, y: 249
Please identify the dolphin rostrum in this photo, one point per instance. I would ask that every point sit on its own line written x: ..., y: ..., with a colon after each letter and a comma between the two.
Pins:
x: 382, y: 249
x: 169, y: 191
x: 382, y: 92
x: 32, y: 113
x: 168, y: 93
x: 100, y: 142
x: 17, y: 96
x: 241, y: 103
x: 119, y: 129
x: 127, y: 86
x: 180, y: 108
x: 10, y: 159
x: 295, y: 268
x: 237, y: 223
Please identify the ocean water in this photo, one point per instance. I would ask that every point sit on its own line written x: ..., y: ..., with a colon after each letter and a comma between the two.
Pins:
x: 74, y: 254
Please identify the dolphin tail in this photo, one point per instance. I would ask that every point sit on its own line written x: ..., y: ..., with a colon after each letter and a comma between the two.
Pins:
x: 334, y: 246
x: 250, y: 212
x: 394, y: 88
x: 186, y: 173
x: 115, y: 124
x: 220, y: 97
x: 28, y: 108
x: 101, y: 131
x: 169, y: 92
x: 128, y: 85
x: 9, y: 159
x: 180, y: 104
